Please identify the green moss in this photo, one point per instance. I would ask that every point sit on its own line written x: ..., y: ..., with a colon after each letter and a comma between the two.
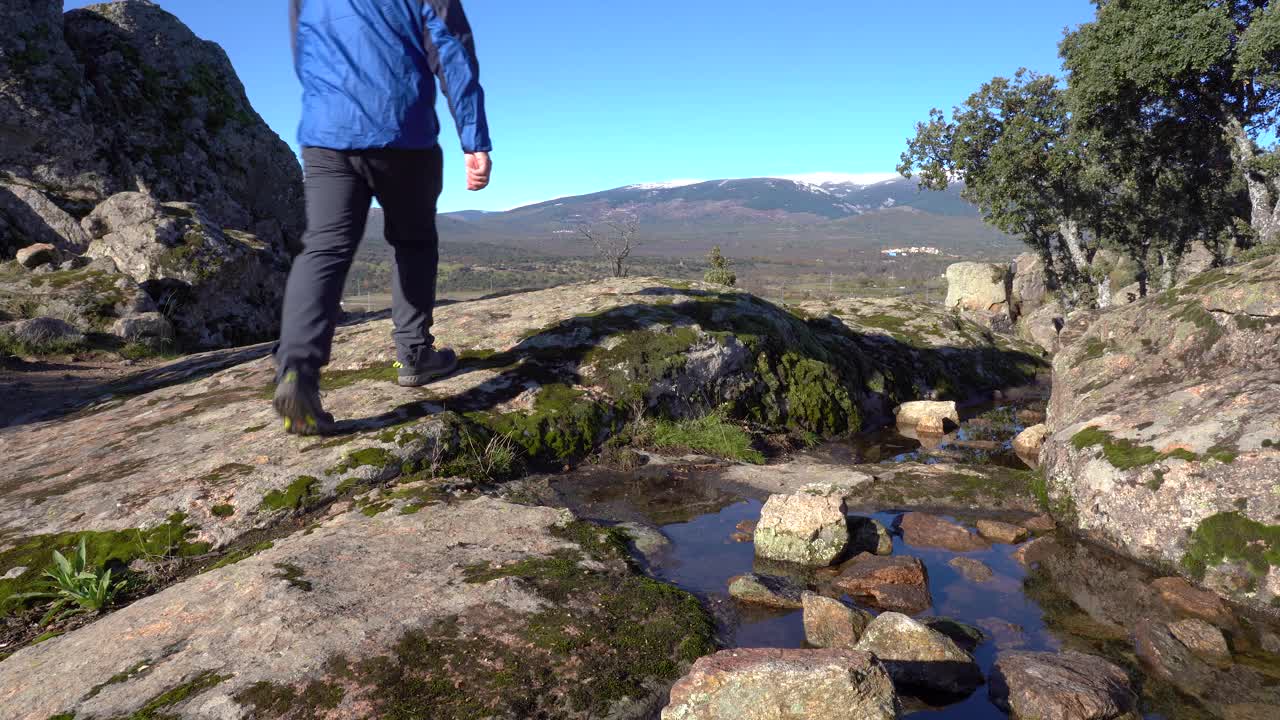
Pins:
x: 1125, y: 454
x: 711, y: 434
x: 255, y: 428
x: 1224, y: 455
x: 1157, y: 480
x: 1194, y: 313
x: 112, y: 549
x: 806, y: 395
x: 293, y: 575
x: 296, y: 496
x: 1094, y: 348
x: 336, y: 379
x: 223, y: 511
x: 368, y: 457
x: 1232, y: 537
x: 228, y: 471
x: 152, y: 710
x: 272, y: 700
x: 564, y: 424
x: 630, y: 367
x: 119, y: 677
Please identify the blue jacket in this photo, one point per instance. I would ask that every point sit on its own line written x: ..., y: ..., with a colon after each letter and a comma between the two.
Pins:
x: 368, y: 70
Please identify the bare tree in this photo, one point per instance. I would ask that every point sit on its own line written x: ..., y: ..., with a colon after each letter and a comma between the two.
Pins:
x: 614, y: 238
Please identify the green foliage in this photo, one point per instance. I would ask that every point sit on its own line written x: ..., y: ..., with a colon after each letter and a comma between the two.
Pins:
x: 9, y: 345
x: 296, y: 496
x: 711, y: 434
x: 1233, y: 537
x: 75, y: 586
x: 719, y: 273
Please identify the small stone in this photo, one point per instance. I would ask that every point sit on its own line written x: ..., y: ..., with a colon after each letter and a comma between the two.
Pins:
x: 773, y: 684
x: 1029, y: 417
x: 1202, y: 638
x: 1167, y: 658
x: 869, y: 535
x: 924, y: 530
x: 807, y: 528
x: 973, y: 570
x: 262, y: 460
x: 741, y: 537
x: 918, y: 657
x: 1181, y: 597
x: 965, y: 636
x: 1061, y: 686
x: 1041, y: 524
x: 1002, y: 532
x: 1028, y: 443
x: 1006, y: 635
x: 928, y: 416
x: 829, y: 623
x: 897, y: 583
x: 766, y: 590
x: 1035, y: 552
x: 143, y: 326
x: 13, y: 573
x: 33, y: 256
x: 747, y: 526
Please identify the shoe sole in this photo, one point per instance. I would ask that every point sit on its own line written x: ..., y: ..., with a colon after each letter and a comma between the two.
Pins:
x: 299, y: 419
x: 424, y: 378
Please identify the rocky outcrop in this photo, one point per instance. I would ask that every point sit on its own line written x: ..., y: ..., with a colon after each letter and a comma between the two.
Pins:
x: 122, y: 96
x: 219, y: 288
x: 337, y: 615
x: 1062, y: 686
x: 807, y: 528
x: 768, y: 684
x: 918, y: 658
x: 1165, y: 430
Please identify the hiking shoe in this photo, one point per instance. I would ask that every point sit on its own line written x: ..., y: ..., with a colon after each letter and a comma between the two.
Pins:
x: 297, y: 401
x: 434, y: 365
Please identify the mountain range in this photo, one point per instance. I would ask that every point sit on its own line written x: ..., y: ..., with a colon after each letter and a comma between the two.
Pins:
x: 803, y: 217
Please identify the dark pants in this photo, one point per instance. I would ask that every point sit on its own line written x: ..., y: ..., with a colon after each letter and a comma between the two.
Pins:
x: 340, y: 186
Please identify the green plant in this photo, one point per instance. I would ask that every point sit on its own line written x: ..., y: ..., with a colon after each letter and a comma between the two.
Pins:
x: 711, y: 434
x: 719, y: 274
x: 75, y: 586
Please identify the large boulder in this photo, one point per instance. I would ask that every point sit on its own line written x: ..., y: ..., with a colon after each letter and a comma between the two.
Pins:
x: 767, y: 684
x: 981, y: 287
x: 919, y: 658
x: 1030, y: 286
x: 807, y: 528
x: 122, y: 96
x: 218, y: 287
x: 95, y: 299
x: 1062, y: 686
x: 1165, y: 430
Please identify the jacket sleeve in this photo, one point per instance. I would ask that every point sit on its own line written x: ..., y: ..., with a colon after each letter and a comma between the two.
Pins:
x: 451, y: 51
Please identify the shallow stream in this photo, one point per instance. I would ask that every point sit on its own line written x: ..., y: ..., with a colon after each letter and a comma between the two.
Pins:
x: 1081, y: 598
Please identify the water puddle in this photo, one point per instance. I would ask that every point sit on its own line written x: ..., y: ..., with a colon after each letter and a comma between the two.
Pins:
x: 1081, y: 598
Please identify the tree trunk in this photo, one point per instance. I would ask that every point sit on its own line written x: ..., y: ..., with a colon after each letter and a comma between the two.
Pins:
x: 1266, y: 215
x: 1070, y: 230
x: 617, y: 268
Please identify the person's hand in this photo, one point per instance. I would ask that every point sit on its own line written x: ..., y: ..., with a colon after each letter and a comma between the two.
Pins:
x: 478, y: 168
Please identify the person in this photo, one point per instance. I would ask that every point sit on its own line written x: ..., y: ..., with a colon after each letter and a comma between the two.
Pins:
x: 369, y: 130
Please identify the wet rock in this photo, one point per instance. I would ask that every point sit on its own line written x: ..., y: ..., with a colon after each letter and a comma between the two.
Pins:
x: 807, y: 528
x: 646, y: 539
x: 1202, y: 639
x: 897, y: 583
x: 33, y: 256
x: 973, y: 570
x: 219, y: 288
x: 766, y: 590
x: 965, y: 636
x: 741, y: 537
x: 1029, y: 441
x: 1167, y: 658
x: 869, y: 535
x: 769, y: 684
x: 1036, y: 551
x: 341, y: 606
x: 1062, y: 686
x: 1181, y: 597
x: 1164, y: 430
x: 924, y: 530
x: 1041, y: 524
x: 1002, y: 532
x: 829, y: 623
x: 983, y: 287
x: 746, y: 526
x: 920, y: 659
x: 928, y: 416
x: 1006, y: 635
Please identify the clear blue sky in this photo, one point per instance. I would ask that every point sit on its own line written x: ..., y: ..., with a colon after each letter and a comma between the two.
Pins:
x: 586, y: 95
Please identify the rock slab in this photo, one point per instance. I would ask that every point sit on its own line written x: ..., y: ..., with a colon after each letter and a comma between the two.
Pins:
x: 1061, y: 686
x: 920, y: 658
x: 769, y: 684
x: 925, y: 530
